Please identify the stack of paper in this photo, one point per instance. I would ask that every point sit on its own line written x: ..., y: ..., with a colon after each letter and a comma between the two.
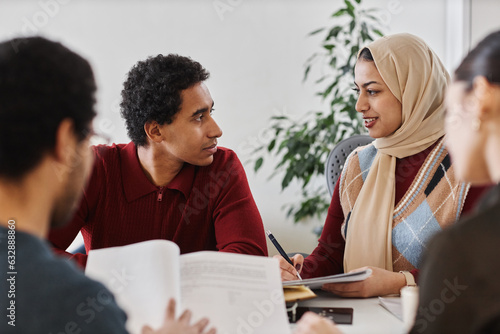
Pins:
x: 317, y: 282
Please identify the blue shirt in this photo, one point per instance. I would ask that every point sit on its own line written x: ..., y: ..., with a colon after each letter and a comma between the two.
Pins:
x: 41, y: 293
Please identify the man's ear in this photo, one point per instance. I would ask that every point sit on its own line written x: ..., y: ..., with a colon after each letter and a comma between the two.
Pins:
x: 65, y: 145
x: 153, y: 132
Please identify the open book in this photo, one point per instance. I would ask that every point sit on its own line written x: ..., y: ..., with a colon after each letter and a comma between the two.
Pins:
x: 317, y: 282
x: 238, y: 293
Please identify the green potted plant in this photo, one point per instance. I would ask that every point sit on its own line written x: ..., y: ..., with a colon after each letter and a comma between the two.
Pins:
x: 302, y: 147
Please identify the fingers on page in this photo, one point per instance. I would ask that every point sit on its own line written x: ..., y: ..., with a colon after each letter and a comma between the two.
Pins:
x: 171, y: 309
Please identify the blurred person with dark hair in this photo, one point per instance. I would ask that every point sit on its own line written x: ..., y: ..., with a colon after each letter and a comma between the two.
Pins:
x: 459, y: 290
x: 172, y: 181
x: 46, y: 111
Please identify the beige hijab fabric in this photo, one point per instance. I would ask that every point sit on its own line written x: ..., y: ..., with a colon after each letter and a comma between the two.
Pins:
x: 418, y: 79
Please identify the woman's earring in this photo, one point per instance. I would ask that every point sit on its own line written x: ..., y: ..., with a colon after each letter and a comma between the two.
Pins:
x: 476, y: 124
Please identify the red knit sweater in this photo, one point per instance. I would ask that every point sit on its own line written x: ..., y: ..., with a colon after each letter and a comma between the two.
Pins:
x: 328, y: 257
x: 202, y: 208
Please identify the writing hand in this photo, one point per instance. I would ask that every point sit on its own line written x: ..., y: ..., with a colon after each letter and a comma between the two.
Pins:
x: 289, y: 272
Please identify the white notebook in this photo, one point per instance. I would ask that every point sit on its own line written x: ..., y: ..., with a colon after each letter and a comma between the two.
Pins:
x: 238, y: 293
x: 317, y: 282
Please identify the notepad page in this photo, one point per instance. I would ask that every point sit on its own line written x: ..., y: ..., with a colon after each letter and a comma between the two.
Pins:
x: 142, y: 276
x: 238, y: 293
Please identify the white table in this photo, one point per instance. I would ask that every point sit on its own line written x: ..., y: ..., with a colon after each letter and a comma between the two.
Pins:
x: 369, y: 317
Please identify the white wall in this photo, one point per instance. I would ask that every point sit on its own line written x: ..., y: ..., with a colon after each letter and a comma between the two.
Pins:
x: 484, y: 19
x: 255, y: 52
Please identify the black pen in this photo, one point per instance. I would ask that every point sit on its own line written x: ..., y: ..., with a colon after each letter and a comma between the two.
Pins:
x: 281, y: 251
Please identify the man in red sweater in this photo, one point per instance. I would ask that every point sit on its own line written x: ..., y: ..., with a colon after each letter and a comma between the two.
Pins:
x: 47, y: 107
x: 172, y: 181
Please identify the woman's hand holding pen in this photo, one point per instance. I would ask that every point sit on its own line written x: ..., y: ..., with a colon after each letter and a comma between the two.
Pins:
x: 289, y: 272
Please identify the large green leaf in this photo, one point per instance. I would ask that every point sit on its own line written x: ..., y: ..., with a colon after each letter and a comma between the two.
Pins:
x: 329, y: 47
x: 340, y: 12
x: 333, y: 32
x: 258, y: 163
x: 350, y: 8
x: 271, y: 145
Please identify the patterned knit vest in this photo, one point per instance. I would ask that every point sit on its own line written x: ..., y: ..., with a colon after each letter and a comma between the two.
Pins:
x: 433, y: 201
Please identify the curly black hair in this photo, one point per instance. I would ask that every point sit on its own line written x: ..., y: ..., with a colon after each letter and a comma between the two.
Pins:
x: 41, y: 83
x: 152, y: 91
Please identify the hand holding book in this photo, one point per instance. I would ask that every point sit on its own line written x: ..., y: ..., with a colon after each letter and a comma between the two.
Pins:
x: 173, y: 325
x: 232, y: 290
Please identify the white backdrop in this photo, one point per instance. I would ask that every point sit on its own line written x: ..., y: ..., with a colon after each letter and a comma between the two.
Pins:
x: 484, y: 19
x: 255, y: 51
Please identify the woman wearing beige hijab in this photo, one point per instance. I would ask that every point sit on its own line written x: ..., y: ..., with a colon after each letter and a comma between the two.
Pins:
x: 397, y: 192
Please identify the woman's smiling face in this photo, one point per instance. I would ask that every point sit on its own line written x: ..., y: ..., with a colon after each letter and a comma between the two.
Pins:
x: 382, y: 111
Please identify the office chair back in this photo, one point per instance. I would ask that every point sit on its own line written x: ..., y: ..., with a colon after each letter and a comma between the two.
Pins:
x: 337, y: 157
